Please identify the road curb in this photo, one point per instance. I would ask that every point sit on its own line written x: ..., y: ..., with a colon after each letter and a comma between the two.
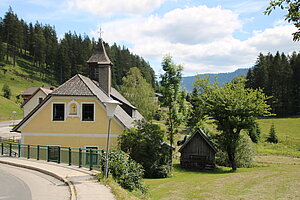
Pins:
x: 70, y: 185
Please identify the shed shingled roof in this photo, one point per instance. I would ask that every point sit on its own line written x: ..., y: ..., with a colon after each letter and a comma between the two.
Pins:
x: 203, y: 135
x: 99, y: 57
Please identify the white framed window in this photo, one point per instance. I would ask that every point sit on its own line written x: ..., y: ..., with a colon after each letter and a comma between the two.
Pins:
x: 88, y: 112
x: 58, y: 111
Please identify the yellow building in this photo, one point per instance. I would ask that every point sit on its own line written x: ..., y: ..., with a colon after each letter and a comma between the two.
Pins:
x: 74, y: 114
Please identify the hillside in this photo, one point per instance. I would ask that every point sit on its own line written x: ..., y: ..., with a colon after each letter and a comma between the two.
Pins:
x: 19, y: 78
x: 223, y: 78
x: 59, y: 59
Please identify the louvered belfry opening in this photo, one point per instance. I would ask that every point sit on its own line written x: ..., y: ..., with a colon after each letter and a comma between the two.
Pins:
x: 100, y: 68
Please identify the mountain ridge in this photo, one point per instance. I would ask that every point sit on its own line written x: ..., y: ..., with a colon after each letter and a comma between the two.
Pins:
x: 223, y: 78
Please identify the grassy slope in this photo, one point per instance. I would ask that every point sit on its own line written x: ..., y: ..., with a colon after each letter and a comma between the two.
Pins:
x: 275, y: 176
x: 19, y: 78
x: 288, y: 132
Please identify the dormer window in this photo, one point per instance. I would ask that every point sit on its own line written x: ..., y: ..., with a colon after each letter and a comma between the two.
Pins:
x: 40, y: 99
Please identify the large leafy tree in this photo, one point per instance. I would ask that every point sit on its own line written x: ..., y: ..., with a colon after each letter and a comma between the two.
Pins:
x: 233, y: 108
x: 172, y: 97
x: 144, y: 144
x: 293, y: 15
x: 139, y: 92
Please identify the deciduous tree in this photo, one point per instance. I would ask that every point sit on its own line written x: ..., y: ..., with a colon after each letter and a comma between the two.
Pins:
x: 138, y: 92
x: 170, y: 89
x: 293, y: 15
x: 233, y: 108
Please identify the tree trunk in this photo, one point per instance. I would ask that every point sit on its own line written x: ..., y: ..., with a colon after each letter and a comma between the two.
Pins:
x: 231, y: 157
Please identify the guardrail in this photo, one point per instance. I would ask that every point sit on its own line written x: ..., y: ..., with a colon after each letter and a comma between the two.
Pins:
x: 82, y: 157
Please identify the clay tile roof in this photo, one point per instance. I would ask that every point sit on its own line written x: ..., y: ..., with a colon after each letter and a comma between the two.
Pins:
x: 31, y: 90
x: 73, y: 87
x: 46, y: 90
x: 99, y: 57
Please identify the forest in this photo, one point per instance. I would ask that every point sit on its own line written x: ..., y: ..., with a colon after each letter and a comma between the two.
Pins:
x: 279, y: 77
x: 56, y: 59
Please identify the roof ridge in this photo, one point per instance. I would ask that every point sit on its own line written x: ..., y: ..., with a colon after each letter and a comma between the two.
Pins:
x: 80, y: 76
x: 66, y: 82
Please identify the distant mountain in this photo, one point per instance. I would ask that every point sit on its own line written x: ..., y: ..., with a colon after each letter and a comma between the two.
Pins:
x: 223, y: 78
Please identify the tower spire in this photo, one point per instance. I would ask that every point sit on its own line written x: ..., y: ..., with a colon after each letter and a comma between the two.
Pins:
x: 100, y: 33
x: 100, y: 66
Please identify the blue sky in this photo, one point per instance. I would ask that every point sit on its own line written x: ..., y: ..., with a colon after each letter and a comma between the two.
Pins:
x: 203, y: 35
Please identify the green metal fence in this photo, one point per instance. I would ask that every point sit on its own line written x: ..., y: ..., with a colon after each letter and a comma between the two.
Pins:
x: 89, y: 158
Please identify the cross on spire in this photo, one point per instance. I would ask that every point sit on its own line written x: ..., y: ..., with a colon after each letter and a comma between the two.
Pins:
x: 100, y: 33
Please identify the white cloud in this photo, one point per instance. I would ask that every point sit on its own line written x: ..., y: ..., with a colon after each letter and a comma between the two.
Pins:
x: 115, y: 7
x: 202, y: 43
x: 278, y: 38
x: 193, y: 25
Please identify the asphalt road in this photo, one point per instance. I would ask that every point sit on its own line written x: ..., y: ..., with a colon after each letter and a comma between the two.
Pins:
x: 5, y: 128
x: 24, y: 184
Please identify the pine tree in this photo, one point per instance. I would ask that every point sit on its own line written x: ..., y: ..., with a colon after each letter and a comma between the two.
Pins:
x: 272, y: 138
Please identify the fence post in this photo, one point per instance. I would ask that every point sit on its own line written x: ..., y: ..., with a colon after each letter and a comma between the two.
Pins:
x: 2, y: 148
x: 80, y: 156
x: 19, y: 150
x: 91, y: 159
x: 58, y: 160
x: 70, y: 158
x: 48, y: 154
x: 28, y: 151
x: 10, y: 149
x: 38, y: 152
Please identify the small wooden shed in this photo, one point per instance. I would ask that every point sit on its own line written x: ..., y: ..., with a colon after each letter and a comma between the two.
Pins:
x: 197, y: 152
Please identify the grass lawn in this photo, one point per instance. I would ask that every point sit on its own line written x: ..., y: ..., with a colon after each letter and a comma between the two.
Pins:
x: 265, y: 181
x: 276, y: 174
x: 288, y: 132
x: 6, y: 108
x: 18, y: 78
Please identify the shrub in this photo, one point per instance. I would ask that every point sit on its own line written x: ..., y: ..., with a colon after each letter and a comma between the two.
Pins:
x: 125, y: 171
x: 144, y: 144
x: 272, y: 138
x: 254, y: 133
x: 6, y: 91
x: 244, y: 154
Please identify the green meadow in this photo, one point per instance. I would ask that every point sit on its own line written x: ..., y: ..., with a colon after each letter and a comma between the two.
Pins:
x: 275, y: 175
x: 18, y: 78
